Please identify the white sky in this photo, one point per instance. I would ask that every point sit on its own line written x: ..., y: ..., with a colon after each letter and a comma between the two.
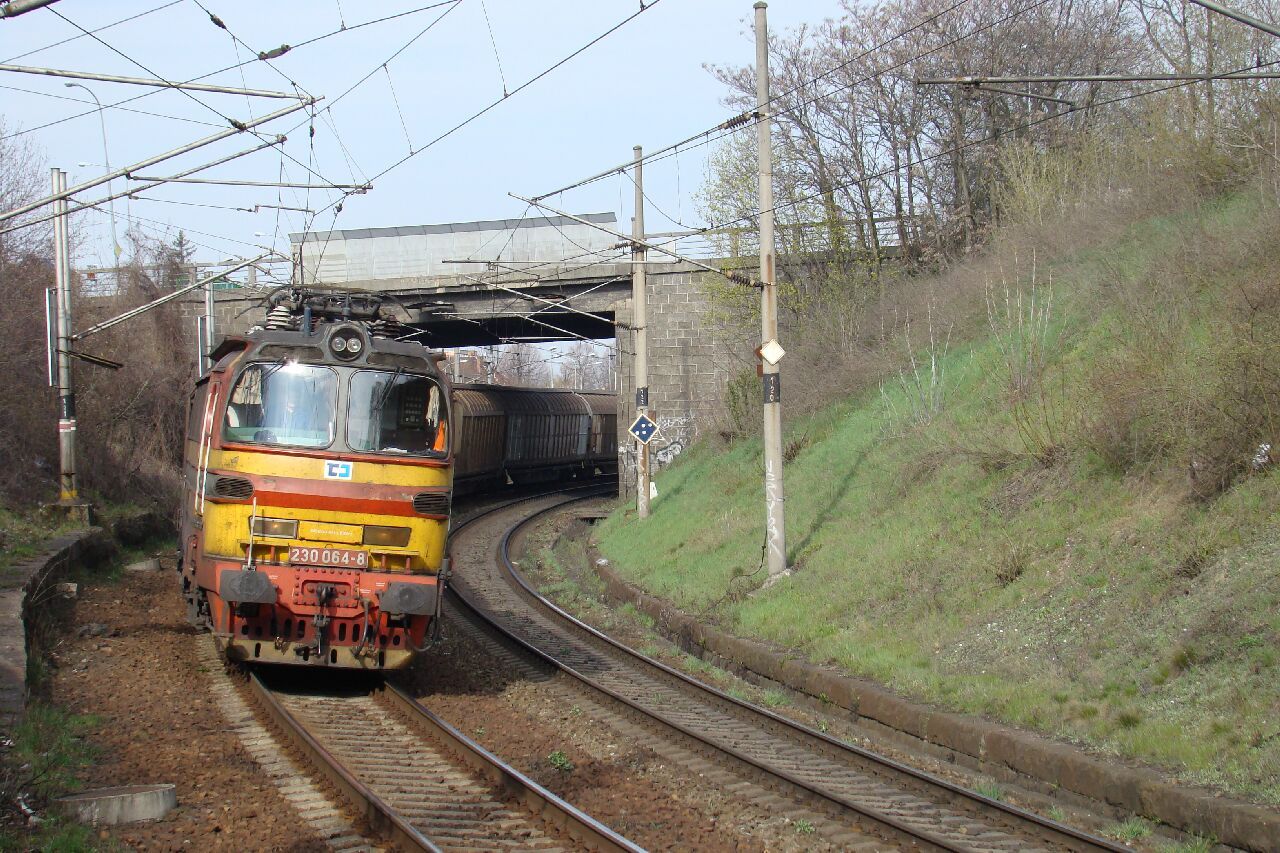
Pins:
x: 644, y: 84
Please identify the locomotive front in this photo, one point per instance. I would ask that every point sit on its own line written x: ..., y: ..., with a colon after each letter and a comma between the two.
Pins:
x: 319, y: 471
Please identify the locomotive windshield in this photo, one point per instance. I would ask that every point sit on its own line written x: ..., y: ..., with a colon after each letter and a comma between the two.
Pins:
x: 396, y: 413
x: 283, y: 403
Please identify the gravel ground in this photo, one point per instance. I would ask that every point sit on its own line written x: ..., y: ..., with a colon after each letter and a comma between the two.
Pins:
x: 128, y: 660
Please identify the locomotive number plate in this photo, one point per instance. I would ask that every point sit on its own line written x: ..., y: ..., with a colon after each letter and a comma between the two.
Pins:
x: 302, y: 555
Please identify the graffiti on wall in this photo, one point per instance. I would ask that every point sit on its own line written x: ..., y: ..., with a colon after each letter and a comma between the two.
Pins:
x: 675, y: 433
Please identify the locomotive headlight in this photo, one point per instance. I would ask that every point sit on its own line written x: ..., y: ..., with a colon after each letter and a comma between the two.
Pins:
x: 394, y: 537
x: 281, y: 528
x: 346, y: 344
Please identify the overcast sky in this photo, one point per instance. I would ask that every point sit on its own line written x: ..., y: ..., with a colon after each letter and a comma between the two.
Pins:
x: 644, y: 84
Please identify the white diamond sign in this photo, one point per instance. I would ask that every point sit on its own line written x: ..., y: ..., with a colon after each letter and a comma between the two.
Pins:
x: 772, y: 352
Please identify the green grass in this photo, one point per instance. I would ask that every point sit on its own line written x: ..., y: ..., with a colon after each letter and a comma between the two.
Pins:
x: 54, y: 835
x: 948, y: 563
x: 50, y: 750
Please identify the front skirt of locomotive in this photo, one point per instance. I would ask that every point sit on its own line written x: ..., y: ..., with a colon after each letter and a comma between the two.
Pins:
x: 322, y: 615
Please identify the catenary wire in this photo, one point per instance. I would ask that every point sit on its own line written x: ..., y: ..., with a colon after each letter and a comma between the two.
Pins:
x: 337, y: 205
x: 98, y: 30
x: 986, y: 139
x: 216, y: 72
x: 737, y: 122
x: 129, y: 58
x: 518, y: 89
x: 123, y: 109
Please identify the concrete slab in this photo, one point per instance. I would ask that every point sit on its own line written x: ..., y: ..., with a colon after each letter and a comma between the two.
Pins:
x: 123, y: 804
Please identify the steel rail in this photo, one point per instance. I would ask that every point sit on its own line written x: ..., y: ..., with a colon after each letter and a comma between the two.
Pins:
x: 573, y: 822
x: 382, y: 818
x: 1045, y: 829
x: 386, y: 820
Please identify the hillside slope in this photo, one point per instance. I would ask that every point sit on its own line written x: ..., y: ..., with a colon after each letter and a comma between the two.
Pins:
x: 1062, y: 527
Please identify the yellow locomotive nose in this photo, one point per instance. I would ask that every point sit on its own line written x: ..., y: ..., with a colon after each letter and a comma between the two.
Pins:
x: 320, y: 478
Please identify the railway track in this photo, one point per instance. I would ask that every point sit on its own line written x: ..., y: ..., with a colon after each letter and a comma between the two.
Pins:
x: 417, y: 781
x: 862, y: 793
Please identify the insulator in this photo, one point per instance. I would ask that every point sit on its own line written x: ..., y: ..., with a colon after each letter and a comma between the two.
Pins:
x: 280, y: 319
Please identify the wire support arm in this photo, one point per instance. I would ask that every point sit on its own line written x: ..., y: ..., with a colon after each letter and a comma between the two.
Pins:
x: 151, y: 161
x: 168, y: 297
x: 133, y: 193
x: 353, y: 189
x: 14, y: 8
x: 1247, y: 20
x: 148, y: 81
x: 1095, y: 78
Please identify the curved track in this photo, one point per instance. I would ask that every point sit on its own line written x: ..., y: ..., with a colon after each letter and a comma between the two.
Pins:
x: 421, y: 783
x: 854, y: 786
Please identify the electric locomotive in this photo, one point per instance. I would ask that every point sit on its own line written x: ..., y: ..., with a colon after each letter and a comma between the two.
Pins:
x: 318, y: 473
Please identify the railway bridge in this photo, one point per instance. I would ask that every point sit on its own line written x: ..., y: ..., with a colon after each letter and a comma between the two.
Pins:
x: 543, y: 279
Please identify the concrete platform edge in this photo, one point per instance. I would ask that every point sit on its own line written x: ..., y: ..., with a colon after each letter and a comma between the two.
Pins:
x: 88, y: 547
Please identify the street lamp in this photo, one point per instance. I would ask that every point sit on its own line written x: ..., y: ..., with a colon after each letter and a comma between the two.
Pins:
x: 115, y: 243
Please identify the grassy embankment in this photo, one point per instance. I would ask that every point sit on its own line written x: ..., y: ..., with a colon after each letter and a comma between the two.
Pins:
x: 1034, y: 541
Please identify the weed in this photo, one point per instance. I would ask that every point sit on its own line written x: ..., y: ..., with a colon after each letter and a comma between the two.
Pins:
x: 1133, y: 829
x: 1183, y: 658
x: 560, y: 761
x: 50, y: 746
x: 1190, y: 844
x: 803, y: 826
x: 991, y: 791
x: 1012, y: 565
x: 1021, y: 327
x: 794, y: 448
x: 775, y: 699
x: 55, y: 834
x: 479, y: 731
x: 1194, y: 561
x: 921, y: 388
x: 1128, y: 719
x: 823, y: 727
x: 575, y: 711
x: 1057, y: 814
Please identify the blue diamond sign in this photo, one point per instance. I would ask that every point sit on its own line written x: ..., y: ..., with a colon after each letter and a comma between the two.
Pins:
x: 643, y: 429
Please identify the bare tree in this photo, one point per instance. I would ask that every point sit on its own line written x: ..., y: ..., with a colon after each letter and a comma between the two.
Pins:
x: 586, y: 367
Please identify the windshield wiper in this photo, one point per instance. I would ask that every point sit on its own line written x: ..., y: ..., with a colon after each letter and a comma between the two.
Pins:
x: 386, y: 392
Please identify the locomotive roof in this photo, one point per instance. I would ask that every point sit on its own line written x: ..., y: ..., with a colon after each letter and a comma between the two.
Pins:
x: 380, y: 352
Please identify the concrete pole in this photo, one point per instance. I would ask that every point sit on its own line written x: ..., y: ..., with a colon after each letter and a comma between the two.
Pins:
x: 639, y: 322
x: 68, y: 492
x: 775, y: 529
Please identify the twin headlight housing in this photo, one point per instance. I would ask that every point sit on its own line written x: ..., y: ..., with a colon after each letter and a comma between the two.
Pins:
x: 346, y: 344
